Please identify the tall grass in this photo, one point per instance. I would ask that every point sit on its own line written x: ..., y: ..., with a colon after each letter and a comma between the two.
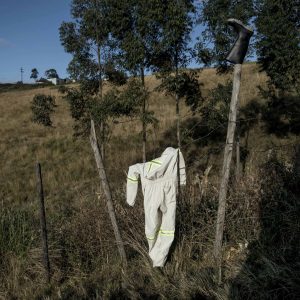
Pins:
x: 83, y: 254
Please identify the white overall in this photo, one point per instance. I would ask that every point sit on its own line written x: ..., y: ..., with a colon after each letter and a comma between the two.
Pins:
x: 159, y: 184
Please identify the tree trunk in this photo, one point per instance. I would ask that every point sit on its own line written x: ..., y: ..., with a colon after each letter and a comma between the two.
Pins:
x: 177, y: 106
x: 43, y: 221
x: 297, y: 160
x: 177, y: 127
x: 102, y: 145
x: 100, y: 94
x: 107, y: 192
x: 178, y: 122
x: 100, y: 71
x: 238, y: 155
x: 143, y: 113
x: 246, y: 147
x: 226, y: 167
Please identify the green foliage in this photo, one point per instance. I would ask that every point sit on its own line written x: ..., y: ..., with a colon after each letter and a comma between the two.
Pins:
x: 42, y: 107
x: 132, y: 100
x: 114, y: 75
x: 281, y: 115
x: 51, y: 73
x: 176, y: 23
x: 79, y: 105
x: 278, y: 54
x: 217, y: 37
x: 86, y: 38
x: 215, y: 111
x: 151, y: 34
x: 136, y: 31
x: 184, y: 85
x: 132, y: 97
x: 278, y: 42
x: 209, y: 126
x: 90, y: 42
x: 114, y: 104
x: 82, y: 67
x: 34, y: 74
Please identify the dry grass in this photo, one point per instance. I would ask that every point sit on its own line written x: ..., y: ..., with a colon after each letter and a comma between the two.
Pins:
x: 84, y: 258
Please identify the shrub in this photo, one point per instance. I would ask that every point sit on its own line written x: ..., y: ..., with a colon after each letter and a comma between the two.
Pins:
x: 42, y: 107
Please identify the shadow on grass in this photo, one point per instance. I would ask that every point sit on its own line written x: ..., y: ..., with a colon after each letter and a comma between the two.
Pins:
x: 272, y: 269
x: 282, y: 115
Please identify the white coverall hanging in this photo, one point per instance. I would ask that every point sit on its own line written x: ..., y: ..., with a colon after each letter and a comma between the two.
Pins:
x: 159, y: 185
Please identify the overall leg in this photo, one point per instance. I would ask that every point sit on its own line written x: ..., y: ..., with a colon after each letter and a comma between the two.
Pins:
x: 152, y: 215
x: 165, y: 236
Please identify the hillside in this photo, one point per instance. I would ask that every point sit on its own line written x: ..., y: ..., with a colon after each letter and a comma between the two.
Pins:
x: 83, y: 255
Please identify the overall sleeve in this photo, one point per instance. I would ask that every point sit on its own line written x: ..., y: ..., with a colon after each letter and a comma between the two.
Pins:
x: 182, y: 172
x: 132, y: 184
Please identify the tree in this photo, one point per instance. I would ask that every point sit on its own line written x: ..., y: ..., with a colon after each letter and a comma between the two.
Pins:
x: 278, y: 52
x: 34, y: 74
x: 51, y: 73
x: 184, y: 86
x: 278, y: 41
x: 175, y: 25
x: 215, y: 111
x: 87, y: 39
x: 135, y: 28
x: 112, y: 74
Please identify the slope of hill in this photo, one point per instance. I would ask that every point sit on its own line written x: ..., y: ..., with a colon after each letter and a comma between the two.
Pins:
x: 83, y: 255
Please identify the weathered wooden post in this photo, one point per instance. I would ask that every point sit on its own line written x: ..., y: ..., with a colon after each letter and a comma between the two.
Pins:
x: 43, y: 221
x: 107, y: 192
x: 236, y: 56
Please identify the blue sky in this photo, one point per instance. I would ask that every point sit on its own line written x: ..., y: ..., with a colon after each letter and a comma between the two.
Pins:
x: 29, y: 37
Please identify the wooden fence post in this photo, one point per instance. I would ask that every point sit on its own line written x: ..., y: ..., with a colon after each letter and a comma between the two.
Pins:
x: 43, y: 221
x: 107, y: 192
x: 226, y: 167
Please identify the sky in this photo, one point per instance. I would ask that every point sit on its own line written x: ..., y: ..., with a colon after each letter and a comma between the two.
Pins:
x: 29, y: 38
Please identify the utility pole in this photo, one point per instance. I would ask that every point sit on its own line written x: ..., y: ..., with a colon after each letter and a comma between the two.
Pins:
x: 22, y: 71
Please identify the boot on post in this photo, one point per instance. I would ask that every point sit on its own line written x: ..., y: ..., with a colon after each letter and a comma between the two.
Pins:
x: 240, y: 46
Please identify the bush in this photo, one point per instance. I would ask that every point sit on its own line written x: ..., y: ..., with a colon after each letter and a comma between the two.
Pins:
x: 42, y: 107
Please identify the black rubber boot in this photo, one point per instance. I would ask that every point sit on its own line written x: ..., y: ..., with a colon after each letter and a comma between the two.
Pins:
x: 240, y: 46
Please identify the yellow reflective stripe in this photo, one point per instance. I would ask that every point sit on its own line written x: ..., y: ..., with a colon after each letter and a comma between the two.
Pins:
x: 150, y: 167
x: 152, y: 237
x: 162, y: 233
x: 156, y: 162
x: 167, y: 232
x: 132, y: 179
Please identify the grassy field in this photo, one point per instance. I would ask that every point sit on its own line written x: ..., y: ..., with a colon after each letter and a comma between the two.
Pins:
x: 83, y: 255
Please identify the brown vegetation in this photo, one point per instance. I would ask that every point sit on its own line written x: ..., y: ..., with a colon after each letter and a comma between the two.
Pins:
x: 83, y: 255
